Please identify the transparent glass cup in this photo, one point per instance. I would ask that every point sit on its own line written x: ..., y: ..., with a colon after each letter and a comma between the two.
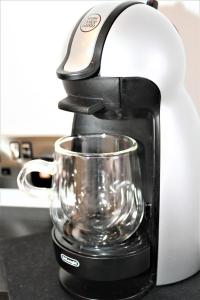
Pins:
x: 96, y: 190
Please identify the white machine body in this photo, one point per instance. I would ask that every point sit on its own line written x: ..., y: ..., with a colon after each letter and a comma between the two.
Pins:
x: 143, y: 43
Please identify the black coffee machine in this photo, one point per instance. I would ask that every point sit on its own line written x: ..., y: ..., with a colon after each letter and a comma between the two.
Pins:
x: 111, y: 90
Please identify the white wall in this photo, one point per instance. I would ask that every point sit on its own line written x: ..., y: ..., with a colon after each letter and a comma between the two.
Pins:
x: 33, y: 43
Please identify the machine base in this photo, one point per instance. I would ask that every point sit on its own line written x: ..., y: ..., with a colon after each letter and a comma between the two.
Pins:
x: 129, y: 289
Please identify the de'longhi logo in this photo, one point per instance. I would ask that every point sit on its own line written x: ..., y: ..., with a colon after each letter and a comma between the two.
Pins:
x: 70, y: 261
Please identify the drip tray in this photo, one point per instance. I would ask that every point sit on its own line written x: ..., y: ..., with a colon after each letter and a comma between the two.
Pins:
x: 130, y: 260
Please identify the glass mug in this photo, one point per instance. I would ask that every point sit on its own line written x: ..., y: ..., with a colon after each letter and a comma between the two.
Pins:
x: 96, y: 190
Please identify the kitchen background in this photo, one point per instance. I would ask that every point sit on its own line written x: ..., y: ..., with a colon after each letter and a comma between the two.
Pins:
x: 34, y: 36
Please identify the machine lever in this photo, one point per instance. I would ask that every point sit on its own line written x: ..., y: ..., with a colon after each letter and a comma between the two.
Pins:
x: 153, y: 3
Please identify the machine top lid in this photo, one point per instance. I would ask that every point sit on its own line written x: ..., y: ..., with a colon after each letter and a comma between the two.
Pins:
x: 85, y: 47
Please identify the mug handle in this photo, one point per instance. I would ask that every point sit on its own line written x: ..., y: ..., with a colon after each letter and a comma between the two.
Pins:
x: 36, y: 165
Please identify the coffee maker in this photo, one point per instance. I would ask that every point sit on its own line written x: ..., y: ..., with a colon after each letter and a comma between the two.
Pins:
x: 124, y: 74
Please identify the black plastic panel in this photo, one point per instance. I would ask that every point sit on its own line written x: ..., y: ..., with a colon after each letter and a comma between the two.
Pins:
x: 137, y: 114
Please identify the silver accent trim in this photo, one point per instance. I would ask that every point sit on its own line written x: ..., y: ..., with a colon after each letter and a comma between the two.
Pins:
x: 84, y: 42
